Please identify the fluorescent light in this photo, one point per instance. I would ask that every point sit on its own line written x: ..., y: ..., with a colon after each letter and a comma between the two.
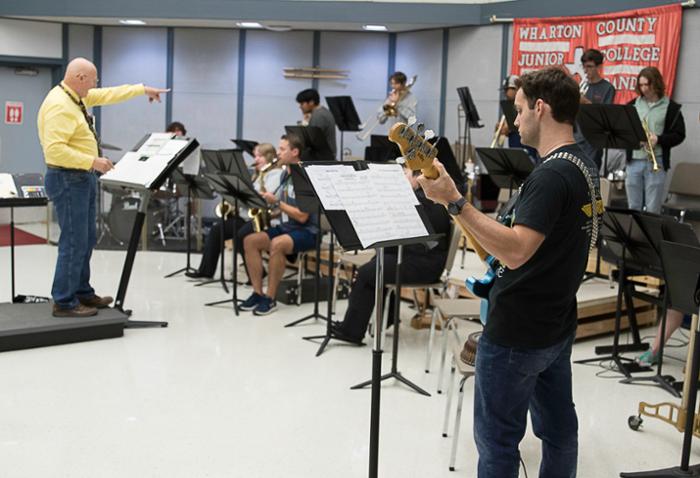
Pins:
x: 132, y: 22
x: 249, y: 24
x: 374, y: 28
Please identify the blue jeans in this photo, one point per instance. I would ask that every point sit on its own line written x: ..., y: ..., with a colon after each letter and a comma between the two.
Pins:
x: 645, y: 188
x: 73, y: 194
x: 511, y: 381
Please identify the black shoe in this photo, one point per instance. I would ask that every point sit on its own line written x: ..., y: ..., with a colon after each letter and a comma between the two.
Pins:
x: 338, y: 333
x: 197, y: 275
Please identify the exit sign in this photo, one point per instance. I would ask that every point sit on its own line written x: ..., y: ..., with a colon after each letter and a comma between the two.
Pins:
x: 14, y: 112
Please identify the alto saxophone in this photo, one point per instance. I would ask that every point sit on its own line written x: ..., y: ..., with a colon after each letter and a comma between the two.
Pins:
x: 262, y: 217
x: 648, y: 148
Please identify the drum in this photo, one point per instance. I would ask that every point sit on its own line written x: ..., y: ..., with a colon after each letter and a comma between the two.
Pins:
x: 121, y: 217
x: 468, y: 354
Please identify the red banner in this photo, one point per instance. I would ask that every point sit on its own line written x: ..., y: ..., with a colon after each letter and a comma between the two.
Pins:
x: 629, y: 40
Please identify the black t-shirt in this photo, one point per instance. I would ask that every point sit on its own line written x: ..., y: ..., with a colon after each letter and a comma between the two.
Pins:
x: 534, y: 306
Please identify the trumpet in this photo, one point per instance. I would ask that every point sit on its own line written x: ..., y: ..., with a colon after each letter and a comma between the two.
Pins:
x: 389, y: 109
x: 583, y: 86
x: 648, y: 148
x: 498, y: 138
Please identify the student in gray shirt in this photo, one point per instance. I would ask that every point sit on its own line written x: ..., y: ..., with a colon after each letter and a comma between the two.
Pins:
x: 318, y: 116
x: 594, y: 89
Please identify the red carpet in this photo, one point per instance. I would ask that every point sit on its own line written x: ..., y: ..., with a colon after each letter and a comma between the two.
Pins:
x: 22, y: 238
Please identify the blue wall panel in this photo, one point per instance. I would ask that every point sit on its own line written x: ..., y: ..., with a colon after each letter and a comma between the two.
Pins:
x: 269, y: 97
x: 133, y: 55
x: 205, y: 75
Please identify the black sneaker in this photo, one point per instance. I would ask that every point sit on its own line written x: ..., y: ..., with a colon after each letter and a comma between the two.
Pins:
x: 265, y: 306
x: 251, y: 302
x: 338, y: 333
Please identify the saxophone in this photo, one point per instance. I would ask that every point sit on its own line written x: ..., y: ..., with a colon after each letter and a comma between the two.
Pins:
x: 261, y: 217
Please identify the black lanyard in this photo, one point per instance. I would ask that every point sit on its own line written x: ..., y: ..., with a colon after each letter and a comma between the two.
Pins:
x: 88, y: 118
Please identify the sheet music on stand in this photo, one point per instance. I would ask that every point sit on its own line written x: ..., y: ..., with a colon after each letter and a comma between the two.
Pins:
x: 378, y: 201
x: 147, y: 166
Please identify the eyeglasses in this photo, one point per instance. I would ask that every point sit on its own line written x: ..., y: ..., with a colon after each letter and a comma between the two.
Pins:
x: 589, y: 66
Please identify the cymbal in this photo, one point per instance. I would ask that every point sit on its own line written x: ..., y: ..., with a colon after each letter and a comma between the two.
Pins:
x: 110, y: 147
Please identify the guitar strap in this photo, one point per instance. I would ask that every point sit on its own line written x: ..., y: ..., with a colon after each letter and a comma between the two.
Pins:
x: 596, y: 202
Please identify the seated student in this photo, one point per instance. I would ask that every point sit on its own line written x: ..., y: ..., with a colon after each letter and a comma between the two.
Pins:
x: 674, y: 319
x: 264, y: 154
x: 177, y: 128
x: 419, y: 264
x: 296, y: 233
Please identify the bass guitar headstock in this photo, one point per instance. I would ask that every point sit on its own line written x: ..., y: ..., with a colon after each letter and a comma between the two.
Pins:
x: 417, y: 152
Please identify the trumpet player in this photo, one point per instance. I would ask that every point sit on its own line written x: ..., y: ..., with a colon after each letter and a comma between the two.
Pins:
x: 594, y: 89
x: 666, y: 129
x: 264, y: 155
x: 296, y: 233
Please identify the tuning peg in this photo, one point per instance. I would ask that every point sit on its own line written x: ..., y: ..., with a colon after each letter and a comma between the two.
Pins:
x: 429, y: 134
x: 420, y: 127
x: 400, y: 160
x: 411, y: 120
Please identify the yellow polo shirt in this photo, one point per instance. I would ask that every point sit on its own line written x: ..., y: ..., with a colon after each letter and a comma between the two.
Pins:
x: 64, y: 133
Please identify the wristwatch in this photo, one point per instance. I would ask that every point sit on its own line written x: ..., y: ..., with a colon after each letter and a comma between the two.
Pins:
x: 454, y: 208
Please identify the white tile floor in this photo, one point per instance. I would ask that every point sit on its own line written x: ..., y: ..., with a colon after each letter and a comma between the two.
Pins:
x: 215, y: 395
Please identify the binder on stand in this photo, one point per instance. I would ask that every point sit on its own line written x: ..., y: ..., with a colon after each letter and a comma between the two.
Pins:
x: 145, y: 169
x: 371, y: 207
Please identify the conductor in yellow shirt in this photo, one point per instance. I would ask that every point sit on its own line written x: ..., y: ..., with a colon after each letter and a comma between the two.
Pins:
x: 73, y: 156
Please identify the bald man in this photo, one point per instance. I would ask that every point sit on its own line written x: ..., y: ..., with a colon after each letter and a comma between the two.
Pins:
x: 72, y: 153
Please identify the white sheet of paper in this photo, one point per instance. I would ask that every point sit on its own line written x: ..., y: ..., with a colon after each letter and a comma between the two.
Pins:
x: 154, y: 143
x: 391, y: 182
x: 134, y: 170
x: 173, y: 147
x: 321, y: 179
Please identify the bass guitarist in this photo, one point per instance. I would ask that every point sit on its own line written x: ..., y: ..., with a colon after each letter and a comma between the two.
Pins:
x: 523, y: 361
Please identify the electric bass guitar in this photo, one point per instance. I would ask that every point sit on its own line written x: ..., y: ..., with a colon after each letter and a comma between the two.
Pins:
x: 418, y: 155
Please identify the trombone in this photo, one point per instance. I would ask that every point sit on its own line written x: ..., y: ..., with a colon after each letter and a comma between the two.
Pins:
x: 498, y: 138
x: 648, y: 148
x: 388, y: 109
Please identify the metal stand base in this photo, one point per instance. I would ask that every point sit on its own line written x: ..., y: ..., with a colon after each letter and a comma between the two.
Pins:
x: 326, y: 339
x: 627, y: 369
x: 664, y: 381
x: 396, y: 375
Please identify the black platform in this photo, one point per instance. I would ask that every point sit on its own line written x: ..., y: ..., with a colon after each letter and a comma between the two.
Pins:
x: 25, y: 326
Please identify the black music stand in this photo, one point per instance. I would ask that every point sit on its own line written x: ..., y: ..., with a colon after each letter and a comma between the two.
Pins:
x: 610, y: 126
x: 146, y: 193
x: 625, y: 244
x: 241, y: 191
x: 394, y: 373
x: 659, y: 228
x: 197, y: 187
x: 507, y: 167
x: 381, y: 149
x: 682, y: 274
x: 348, y: 238
x: 345, y: 115
x: 508, y: 108
x: 309, y: 203
x: 472, y: 119
x: 223, y: 161
x: 315, y: 146
x: 246, y: 145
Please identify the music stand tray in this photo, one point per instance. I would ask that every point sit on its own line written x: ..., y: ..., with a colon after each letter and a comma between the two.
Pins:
x: 344, y: 113
x: 246, y: 145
